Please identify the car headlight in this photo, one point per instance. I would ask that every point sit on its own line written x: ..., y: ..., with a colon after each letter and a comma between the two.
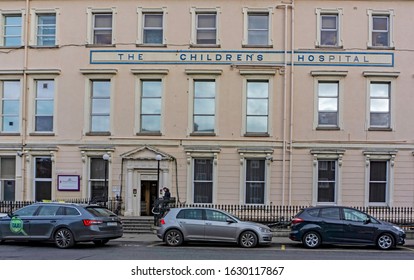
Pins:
x: 398, y: 228
x: 264, y: 230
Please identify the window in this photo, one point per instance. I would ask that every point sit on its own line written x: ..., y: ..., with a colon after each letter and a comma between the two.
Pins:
x: 97, y: 185
x: 44, y: 105
x: 328, y: 94
x: 257, y: 107
x: 191, y: 214
x: 46, y: 29
x: 10, y: 107
x: 102, y: 28
x: 100, y: 106
x: 12, y: 30
x: 153, y: 28
x: 151, y: 94
x: 255, y: 181
x: 330, y: 213
x: 205, y: 24
x: 212, y: 215
x: 381, y: 29
x: 7, y: 178
x: 258, y: 29
x: 326, y: 181
x: 329, y: 23
x: 203, y: 180
x: 43, y: 178
x: 378, y: 181
x: 204, y: 106
x: 380, y: 105
x: 355, y: 216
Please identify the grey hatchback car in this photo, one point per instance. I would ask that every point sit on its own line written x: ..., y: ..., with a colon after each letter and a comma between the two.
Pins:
x: 206, y: 224
x: 63, y: 223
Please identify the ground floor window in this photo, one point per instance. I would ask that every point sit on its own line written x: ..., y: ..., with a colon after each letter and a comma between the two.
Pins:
x: 326, y: 180
x: 378, y: 181
x: 7, y: 178
x: 43, y: 178
x: 203, y: 181
x: 98, y: 179
x: 255, y: 181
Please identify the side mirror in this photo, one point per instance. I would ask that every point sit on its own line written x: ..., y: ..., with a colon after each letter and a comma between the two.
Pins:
x: 230, y: 221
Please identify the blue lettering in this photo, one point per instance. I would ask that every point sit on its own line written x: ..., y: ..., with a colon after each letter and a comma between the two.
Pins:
x: 208, y: 57
x: 218, y: 57
x: 311, y: 58
x: 301, y: 58
x: 140, y: 56
x: 365, y: 59
x: 228, y: 57
x: 356, y: 59
x: 120, y: 56
x: 321, y: 58
x: 131, y: 56
x: 260, y: 57
x: 249, y: 57
x: 239, y: 57
x: 348, y: 57
x: 193, y: 57
x: 183, y: 56
x: 331, y: 58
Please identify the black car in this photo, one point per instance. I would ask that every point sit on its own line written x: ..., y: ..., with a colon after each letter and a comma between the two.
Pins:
x: 343, y: 225
x: 65, y: 224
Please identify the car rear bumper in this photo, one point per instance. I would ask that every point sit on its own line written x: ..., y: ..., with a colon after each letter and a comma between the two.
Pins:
x: 99, y: 236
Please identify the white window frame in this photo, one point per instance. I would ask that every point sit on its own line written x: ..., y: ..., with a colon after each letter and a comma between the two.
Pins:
x: 11, y: 78
x: 140, y: 15
x: 252, y: 154
x: 246, y: 12
x: 322, y: 12
x: 328, y: 76
x: 35, y: 179
x: 96, y: 75
x: 143, y: 75
x: 381, y: 77
x: 327, y: 155
x: 193, y: 12
x: 258, y: 75
x: 199, y: 153
x: 195, y: 75
x: 387, y: 13
x: 34, y: 13
x: 386, y: 156
x: 4, y: 179
x: 90, y: 25
x: 7, y: 13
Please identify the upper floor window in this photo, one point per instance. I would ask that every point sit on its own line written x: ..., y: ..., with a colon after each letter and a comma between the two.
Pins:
x: 257, y: 27
x: 205, y: 27
x: 381, y: 29
x: 151, y: 106
x: 46, y: 29
x: 257, y: 106
x: 44, y: 105
x: 204, y: 106
x: 100, y: 106
x: 329, y: 27
x: 11, y: 30
x: 152, y: 28
x: 380, y: 104
x: 102, y: 28
x: 10, y: 107
x: 328, y: 96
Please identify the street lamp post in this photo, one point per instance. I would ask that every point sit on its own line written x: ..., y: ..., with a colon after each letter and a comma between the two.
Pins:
x: 158, y: 158
x: 105, y: 157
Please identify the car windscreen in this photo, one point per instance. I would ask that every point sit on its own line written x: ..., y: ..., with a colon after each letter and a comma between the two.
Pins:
x: 100, y: 212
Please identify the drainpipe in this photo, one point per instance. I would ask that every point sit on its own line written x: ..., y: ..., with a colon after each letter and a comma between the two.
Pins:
x: 292, y: 72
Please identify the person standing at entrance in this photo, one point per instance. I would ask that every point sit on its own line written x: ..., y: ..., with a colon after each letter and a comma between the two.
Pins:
x: 167, y: 194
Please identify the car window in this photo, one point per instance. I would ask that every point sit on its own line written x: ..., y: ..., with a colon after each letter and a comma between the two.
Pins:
x: 67, y: 211
x: 212, y: 215
x: 100, y: 212
x: 313, y: 212
x: 48, y: 210
x: 192, y: 214
x: 329, y: 213
x: 354, y: 215
x: 26, y: 211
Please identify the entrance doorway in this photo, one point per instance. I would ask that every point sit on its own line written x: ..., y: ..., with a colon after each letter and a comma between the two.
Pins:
x: 149, y: 193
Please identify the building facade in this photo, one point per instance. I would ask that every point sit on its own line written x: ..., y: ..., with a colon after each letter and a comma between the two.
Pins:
x: 224, y: 102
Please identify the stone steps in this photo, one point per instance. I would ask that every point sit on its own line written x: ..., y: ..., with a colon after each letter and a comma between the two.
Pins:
x: 138, y: 225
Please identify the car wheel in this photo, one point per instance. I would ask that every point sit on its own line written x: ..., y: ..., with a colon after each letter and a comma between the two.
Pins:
x: 100, y: 242
x: 311, y: 240
x: 248, y: 239
x: 174, y: 237
x: 64, y: 238
x: 385, y: 241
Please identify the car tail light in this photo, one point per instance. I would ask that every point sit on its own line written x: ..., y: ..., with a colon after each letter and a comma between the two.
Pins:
x: 297, y: 221
x: 162, y: 222
x: 91, y: 222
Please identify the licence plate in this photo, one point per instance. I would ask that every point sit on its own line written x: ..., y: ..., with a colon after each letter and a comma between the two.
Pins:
x: 112, y: 224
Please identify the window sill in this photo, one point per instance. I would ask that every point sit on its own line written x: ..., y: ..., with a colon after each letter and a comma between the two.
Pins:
x: 143, y: 45
x: 202, y: 134
x: 327, y: 128
x: 379, y: 129
x: 44, y: 47
x: 100, y: 46
x: 258, y: 46
x: 329, y: 47
x: 251, y: 134
x: 148, y: 134
x: 104, y: 133
x: 42, y: 134
x: 205, y: 46
x: 381, y: 48
x: 11, y: 47
x: 9, y: 134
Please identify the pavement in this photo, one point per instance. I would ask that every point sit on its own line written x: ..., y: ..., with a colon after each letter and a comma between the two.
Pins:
x: 276, y: 240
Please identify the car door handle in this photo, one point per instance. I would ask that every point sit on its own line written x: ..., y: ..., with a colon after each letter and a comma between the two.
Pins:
x: 54, y: 221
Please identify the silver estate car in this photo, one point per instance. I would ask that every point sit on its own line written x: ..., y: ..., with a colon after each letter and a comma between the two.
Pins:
x: 65, y: 224
x: 206, y: 224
